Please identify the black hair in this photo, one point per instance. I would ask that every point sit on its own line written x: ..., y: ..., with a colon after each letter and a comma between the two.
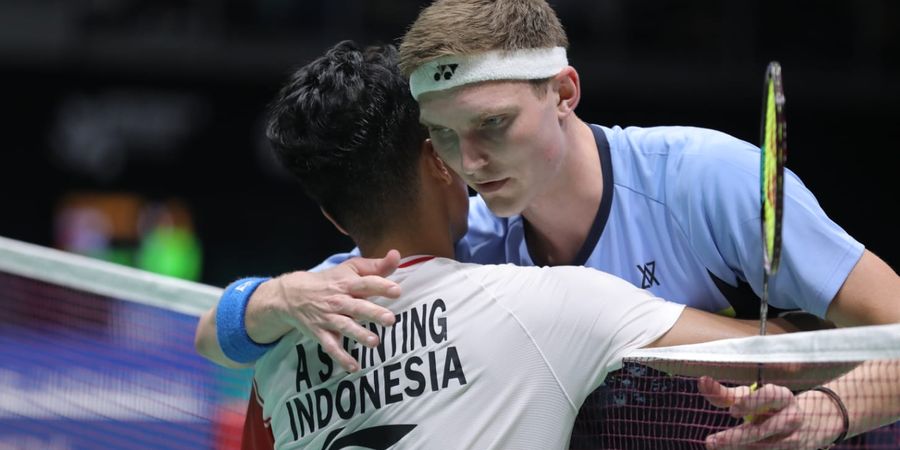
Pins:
x: 348, y: 128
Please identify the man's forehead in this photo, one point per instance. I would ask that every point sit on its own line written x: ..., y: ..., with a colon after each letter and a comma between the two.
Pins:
x: 472, y: 102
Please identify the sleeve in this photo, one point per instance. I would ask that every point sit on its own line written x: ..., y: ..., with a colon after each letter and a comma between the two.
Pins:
x: 335, y: 259
x: 484, y: 242
x: 257, y: 435
x: 584, y: 321
x: 714, y: 195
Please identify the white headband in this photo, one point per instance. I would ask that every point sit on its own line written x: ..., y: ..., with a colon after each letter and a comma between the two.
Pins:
x: 449, y: 72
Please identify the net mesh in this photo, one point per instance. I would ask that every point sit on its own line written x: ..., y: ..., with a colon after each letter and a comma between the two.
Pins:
x: 91, y: 367
x: 654, y: 402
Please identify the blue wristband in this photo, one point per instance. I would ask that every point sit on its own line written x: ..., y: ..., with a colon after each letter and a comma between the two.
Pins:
x: 230, y: 329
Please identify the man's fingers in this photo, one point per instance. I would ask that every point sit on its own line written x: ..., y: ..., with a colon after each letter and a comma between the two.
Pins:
x: 732, y: 438
x: 719, y: 395
x: 331, y: 343
x: 716, y: 394
x: 777, y: 427
x: 389, y: 263
x: 350, y: 328
x: 366, y: 311
x: 381, y: 267
x: 771, y: 434
x: 374, y: 286
x: 359, y: 310
x: 737, y: 437
x: 770, y: 397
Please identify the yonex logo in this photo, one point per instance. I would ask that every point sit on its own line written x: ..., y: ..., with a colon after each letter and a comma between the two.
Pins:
x: 243, y: 286
x: 648, y: 272
x: 445, y: 71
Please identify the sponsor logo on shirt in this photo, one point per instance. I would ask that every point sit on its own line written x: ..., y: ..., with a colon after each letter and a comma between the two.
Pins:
x: 648, y: 274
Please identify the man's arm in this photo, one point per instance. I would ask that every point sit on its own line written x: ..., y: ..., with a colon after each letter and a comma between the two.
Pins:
x: 695, y: 326
x: 324, y: 304
x: 206, y: 342
x: 869, y: 296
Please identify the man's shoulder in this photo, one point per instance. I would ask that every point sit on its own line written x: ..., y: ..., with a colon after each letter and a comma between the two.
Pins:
x: 524, y: 281
x: 672, y: 140
x: 668, y: 162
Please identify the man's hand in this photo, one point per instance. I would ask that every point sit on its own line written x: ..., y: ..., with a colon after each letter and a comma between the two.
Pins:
x: 781, y: 420
x: 326, y: 305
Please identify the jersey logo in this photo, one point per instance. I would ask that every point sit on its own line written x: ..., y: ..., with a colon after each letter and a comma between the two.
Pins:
x: 445, y: 71
x: 243, y: 286
x: 648, y: 272
x: 376, y: 438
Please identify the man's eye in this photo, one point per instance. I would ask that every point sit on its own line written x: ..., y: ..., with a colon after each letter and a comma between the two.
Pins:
x: 493, y: 122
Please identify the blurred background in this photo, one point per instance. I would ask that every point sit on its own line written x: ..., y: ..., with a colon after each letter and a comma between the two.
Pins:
x: 132, y: 129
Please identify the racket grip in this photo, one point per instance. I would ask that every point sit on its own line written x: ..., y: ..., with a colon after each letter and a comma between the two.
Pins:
x: 750, y: 417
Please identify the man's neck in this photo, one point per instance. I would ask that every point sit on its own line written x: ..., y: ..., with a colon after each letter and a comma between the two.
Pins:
x: 414, y: 238
x: 559, y: 221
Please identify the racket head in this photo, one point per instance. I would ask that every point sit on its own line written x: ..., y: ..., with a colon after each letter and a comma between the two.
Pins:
x: 773, y: 155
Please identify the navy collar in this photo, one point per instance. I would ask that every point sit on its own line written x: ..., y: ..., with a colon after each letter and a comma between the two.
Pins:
x: 599, y: 224
x: 605, y: 202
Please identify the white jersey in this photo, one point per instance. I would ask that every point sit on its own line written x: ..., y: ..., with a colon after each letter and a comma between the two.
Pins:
x: 479, y: 357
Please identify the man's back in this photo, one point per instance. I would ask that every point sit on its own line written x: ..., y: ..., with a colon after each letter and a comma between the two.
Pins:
x: 479, y: 357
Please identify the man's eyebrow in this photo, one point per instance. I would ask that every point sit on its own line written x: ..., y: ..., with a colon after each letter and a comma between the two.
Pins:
x: 499, y: 111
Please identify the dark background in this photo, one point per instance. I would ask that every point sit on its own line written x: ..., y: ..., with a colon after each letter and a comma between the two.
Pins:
x: 165, y: 98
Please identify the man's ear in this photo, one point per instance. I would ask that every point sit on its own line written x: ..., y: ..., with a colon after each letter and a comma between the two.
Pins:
x: 333, y: 222
x: 438, y: 166
x: 568, y: 88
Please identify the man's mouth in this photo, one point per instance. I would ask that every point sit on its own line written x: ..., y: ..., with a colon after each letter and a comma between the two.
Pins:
x: 490, y: 186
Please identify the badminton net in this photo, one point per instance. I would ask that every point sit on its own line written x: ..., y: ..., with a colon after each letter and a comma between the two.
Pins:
x: 97, y: 355
x: 653, y: 402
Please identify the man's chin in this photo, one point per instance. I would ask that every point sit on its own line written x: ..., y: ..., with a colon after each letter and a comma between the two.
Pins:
x: 503, y: 207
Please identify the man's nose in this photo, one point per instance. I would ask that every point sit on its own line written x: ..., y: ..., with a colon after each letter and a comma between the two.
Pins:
x: 474, y: 158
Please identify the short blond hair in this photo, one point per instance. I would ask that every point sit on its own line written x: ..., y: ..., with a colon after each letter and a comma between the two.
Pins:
x: 465, y: 27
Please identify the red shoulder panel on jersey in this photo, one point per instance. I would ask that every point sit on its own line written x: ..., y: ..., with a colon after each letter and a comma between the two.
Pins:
x: 257, y: 433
